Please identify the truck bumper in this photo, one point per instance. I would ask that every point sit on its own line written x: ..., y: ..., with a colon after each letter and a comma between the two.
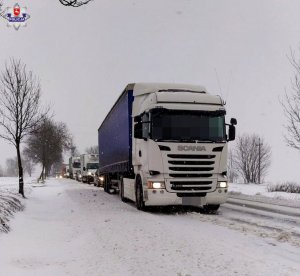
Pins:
x: 160, y: 197
x: 90, y: 178
x: 87, y: 178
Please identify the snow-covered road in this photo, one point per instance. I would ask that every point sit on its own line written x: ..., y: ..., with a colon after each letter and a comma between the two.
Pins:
x: 70, y: 228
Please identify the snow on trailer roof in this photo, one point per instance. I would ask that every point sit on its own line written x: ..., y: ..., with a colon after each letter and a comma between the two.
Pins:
x: 166, y: 93
x: 146, y: 88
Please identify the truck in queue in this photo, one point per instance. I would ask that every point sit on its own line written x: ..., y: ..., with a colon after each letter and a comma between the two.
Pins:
x: 166, y: 144
x: 88, y: 166
x: 74, y: 166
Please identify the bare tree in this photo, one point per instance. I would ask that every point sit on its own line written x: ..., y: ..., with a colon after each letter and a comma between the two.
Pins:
x: 1, y: 171
x: 73, y: 149
x: 291, y: 106
x: 231, y: 167
x: 11, y: 167
x: 28, y: 163
x: 20, y: 110
x: 92, y: 150
x: 74, y: 3
x: 1, y: 11
x: 252, y: 158
x: 46, y: 145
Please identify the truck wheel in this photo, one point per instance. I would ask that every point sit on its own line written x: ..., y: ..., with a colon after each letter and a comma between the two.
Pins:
x: 107, y: 184
x: 104, y: 184
x: 211, y: 209
x: 139, y: 199
x: 121, y: 191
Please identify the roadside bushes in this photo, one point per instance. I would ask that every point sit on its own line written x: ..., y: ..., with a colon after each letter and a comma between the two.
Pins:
x: 288, y: 187
x: 9, y: 204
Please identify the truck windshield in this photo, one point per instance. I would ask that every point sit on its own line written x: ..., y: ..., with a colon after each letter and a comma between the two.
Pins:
x: 76, y: 165
x: 92, y: 166
x: 188, y: 126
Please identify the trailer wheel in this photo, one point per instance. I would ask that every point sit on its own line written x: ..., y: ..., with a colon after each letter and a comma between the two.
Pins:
x: 139, y: 198
x: 121, y: 191
x: 104, y: 184
x: 211, y: 209
x: 107, y: 184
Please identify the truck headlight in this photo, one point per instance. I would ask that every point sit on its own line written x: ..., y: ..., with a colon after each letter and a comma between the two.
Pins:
x: 156, y: 185
x: 89, y: 173
x: 101, y: 178
x: 222, y: 184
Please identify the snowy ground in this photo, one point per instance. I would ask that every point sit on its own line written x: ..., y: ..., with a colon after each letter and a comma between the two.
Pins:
x: 69, y: 228
x: 261, y: 189
x: 10, y: 201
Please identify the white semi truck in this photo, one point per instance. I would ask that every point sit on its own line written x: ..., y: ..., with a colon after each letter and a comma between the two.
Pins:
x: 166, y: 144
x: 74, y: 166
x: 89, y: 164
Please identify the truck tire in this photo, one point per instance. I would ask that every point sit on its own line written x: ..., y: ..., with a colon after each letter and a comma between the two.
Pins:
x: 211, y: 209
x: 121, y: 191
x: 107, y: 184
x: 139, y: 198
x: 104, y: 184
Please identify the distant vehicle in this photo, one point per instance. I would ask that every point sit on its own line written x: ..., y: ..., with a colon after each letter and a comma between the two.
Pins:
x: 74, y: 166
x: 78, y: 176
x: 58, y: 175
x: 67, y: 173
x: 89, y: 163
x: 64, y: 171
x: 166, y: 144
x: 98, y: 180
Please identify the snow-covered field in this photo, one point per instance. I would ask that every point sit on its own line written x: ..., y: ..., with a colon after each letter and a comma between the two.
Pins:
x: 69, y: 228
x: 261, y: 189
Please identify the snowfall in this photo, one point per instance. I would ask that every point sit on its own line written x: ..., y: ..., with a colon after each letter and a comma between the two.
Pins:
x: 64, y: 227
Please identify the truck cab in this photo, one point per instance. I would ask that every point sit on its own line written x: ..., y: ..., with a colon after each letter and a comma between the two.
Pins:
x: 178, y: 143
x: 89, y: 165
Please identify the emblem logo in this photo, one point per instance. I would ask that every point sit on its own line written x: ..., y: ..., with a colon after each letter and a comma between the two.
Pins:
x: 191, y: 148
x: 15, y: 16
x: 17, y: 10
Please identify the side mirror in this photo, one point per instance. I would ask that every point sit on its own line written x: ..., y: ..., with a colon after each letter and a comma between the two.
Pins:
x: 233, y: 121
x: 231, y: 133
x: 84, y: 169
x: 138, y: 131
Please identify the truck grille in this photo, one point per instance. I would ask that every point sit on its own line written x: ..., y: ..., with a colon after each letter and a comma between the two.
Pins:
x: 189, y: 175
x: 191, y: 156
x: 199, y: 167
x: 183, y: 162
x: 193, y: 169
x: 191, y: 185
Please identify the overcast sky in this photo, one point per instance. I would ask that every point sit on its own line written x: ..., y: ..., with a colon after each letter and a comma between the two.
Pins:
x: 85, y: 56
